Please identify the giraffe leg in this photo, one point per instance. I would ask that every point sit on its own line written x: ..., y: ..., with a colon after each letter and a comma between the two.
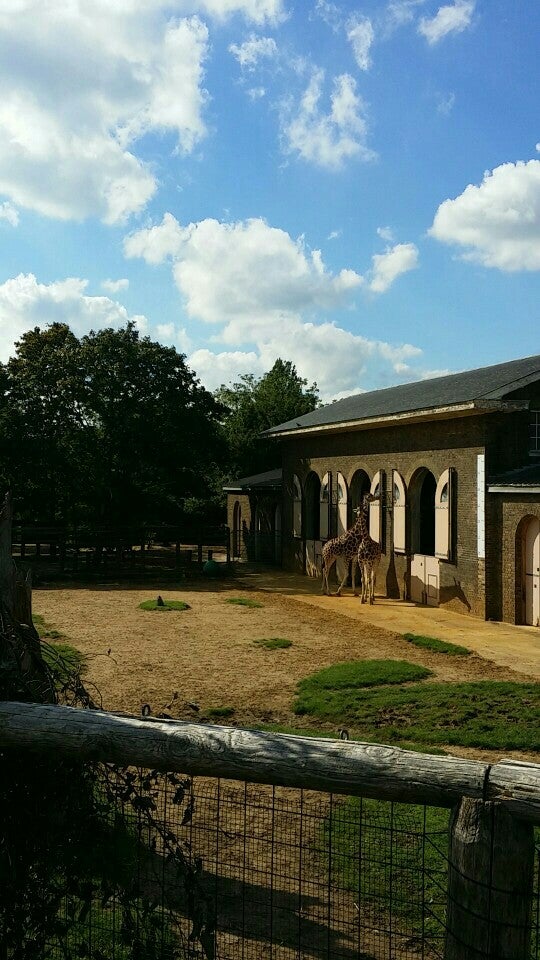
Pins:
x: 353, y: 576
x: 342, y: 584
x: 363, y: 592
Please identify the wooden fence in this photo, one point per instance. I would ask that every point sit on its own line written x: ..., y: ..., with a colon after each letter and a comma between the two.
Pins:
x: 495, y: 806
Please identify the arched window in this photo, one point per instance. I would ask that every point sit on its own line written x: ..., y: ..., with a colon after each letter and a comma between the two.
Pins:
x: 342, y: 504
x: 325, y: 503
x: 297, y: 507
x: 443, y: 516
x: 399, y: 500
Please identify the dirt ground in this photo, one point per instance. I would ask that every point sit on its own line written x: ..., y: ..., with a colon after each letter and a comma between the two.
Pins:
x: 207, y: 654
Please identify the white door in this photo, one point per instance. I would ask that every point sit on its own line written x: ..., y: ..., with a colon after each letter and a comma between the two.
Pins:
x: 532, y: 573
x: 424, y: 580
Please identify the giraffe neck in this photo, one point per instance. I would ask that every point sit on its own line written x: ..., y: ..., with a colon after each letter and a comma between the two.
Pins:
x: 361, y: 525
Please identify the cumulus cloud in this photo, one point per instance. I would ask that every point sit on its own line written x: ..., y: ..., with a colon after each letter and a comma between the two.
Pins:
x: 252, y: 50
x: 328, y: 139
x: 453, y: 18
x: 261, y: 289
x: 25, y: 303
x: 114, y: 286
x: 386, y: 233
x: 400, y: 12
x: 67, y: 148
x: 498, y: 222
x: 330, y: 13
x: 258, y: 11
x: 360, y: 34
x: 10, y: 213
x: 390, y: 265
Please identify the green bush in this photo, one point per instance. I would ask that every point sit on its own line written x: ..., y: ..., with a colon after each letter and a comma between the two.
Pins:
x: 274, y: 643
x: 167, y: 605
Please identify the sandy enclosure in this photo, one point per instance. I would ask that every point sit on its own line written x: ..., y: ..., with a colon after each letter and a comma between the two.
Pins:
x: 208, y: 655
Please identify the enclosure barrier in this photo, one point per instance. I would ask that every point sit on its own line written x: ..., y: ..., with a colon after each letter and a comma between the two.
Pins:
x: 491, y: 904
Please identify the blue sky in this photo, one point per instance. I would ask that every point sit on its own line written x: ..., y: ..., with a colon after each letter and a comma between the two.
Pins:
x: 352, y: 186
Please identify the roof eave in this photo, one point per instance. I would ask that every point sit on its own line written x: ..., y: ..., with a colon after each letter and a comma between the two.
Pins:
x: 471, y: 408
x: 513, y: 488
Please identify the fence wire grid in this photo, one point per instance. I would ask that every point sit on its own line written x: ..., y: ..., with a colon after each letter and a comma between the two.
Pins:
x: 198, y: 868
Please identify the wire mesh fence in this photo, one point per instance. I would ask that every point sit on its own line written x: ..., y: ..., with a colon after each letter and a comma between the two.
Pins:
x: 164, y: 866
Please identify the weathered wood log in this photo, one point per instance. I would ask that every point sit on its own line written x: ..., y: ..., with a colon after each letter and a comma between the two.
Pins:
x: 490, y: 884
x: 516, y: 783
x: 331, y: 765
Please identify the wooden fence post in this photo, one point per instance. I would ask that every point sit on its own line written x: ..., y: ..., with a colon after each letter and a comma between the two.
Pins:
x: 490, y: 884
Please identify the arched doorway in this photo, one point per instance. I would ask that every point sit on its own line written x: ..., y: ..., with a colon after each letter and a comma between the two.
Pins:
x: 277, y: 533
x: 529, y: 535
x: 312, y: 498
x: 422, y: 499
x: 424, y: 569
x: 237, y: 531
x: 312, y: 521
x: 360, y: 485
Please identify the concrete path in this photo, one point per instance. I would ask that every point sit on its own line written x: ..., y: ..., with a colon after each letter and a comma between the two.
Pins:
x: 515, y: 647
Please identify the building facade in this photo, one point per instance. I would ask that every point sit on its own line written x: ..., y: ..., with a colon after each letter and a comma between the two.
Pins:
x: 455, y: 464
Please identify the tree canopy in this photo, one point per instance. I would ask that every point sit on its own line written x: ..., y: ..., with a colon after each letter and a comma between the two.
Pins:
x: 255, y: 404
x: 112, y: 427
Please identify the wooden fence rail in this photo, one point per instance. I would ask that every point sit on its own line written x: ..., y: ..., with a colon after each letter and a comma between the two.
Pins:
x: 495, y: 805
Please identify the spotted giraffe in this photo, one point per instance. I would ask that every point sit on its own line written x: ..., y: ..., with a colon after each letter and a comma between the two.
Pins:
x: 346, y: 547
x: 368, y: 558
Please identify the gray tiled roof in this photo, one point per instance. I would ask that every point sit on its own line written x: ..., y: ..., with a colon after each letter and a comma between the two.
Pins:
x: 259, y: 481
x: 486, y: 383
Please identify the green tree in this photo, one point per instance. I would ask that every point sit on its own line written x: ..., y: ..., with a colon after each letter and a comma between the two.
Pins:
x: 112, y: 427
x: 254, y: 405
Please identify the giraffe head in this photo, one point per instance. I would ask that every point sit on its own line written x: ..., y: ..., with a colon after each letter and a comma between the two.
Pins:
x: 366, y: 500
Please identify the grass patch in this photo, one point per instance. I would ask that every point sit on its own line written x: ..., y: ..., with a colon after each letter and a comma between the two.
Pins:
x: 492, y: 715
x: 243, y: 602
x: 167, y: 605
x: 45, y: 632
x: 274, y: 643
x: 343, y: 681
x: 438, y: 646
x: 418, y: 868
x: 63, y: 661
x: 220, y: 713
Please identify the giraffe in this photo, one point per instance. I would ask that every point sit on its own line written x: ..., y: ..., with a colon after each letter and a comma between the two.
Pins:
x: 346, y: 547
x: 368, y: 558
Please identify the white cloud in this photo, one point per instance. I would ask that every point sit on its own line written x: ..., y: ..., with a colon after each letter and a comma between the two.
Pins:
x: 453, y: 18
x: 258, y: 11
x: 10, y: 213
x: 256, y: 93
x: 330, y: 13
x: 114, y: 286
x: 386, y: 233
x: 334, y: 235
x: 178, y: 336
x: 25, y: 303
x: 67, y: 146
x: 388, y: 266
x: 497, y: 222
x: 263, y: 292
x: 156, y: 244
x: 328, y: 139
x: 360, y: 33
x: 252, y: 50
x: 446, y: 104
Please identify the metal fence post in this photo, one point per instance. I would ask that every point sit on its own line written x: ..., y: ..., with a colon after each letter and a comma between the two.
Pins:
x: 490, y: 884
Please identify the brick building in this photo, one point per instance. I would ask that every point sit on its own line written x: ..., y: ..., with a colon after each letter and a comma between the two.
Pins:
x: 456, y: 464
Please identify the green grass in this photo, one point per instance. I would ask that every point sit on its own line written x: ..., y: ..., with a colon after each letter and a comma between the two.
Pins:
x: 167, y: 605
x: 243, y: 602
x: 393, y: 853
x: 63, y: 661
x: 344, y: 680
x: 274, y: 643
x: 45, y: 632
x: 496, y: 715
x: 220, y: 713
x: 438, y: 646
